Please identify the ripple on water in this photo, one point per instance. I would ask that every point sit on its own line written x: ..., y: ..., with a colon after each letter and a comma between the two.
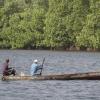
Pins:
x: 56, y: 62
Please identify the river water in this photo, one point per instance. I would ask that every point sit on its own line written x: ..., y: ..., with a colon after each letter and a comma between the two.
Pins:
x: 56, y: 62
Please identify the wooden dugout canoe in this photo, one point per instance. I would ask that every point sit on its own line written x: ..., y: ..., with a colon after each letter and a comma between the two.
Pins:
x: 72, y: 76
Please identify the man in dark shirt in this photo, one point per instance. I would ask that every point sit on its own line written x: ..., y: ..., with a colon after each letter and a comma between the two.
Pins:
x: 8, y: 70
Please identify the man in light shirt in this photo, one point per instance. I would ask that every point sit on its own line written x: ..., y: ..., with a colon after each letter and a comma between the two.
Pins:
x: 35, y: 67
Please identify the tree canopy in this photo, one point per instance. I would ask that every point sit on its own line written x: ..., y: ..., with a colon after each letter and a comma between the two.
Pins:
x: 50, y: 24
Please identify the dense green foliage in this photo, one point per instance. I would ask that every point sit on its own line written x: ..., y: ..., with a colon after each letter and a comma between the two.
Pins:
x: 52, y: 24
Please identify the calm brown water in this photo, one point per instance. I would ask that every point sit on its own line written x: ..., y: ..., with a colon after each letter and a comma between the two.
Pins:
x: 56, y: 62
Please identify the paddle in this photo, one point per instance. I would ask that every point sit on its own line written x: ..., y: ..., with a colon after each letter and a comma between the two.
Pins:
x: 42, y: 66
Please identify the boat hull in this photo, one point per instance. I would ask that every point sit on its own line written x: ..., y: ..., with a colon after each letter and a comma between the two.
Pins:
x: 73, y: 76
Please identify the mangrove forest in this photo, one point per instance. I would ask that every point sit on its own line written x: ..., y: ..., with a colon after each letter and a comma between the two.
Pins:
x: 50, y: 24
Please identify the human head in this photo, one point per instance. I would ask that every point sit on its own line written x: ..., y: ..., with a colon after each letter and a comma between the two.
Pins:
x: 35, y: 61
x: 7, y: 60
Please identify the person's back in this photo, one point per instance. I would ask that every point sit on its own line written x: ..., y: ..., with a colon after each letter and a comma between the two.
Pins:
x: 5, y: 67
x: 33, y: 68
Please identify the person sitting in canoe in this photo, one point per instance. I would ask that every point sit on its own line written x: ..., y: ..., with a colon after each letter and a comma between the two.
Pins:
x: 35, y: 67
x: 8, y: 70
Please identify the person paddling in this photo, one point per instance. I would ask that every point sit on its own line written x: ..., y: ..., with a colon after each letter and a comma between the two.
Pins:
x: 35, y: 67
x: 8, y: 70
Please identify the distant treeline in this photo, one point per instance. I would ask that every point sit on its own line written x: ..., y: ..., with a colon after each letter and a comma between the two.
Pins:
x: 50, y: 24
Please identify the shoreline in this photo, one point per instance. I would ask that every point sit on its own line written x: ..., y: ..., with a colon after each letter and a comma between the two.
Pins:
x: 63, y: 50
